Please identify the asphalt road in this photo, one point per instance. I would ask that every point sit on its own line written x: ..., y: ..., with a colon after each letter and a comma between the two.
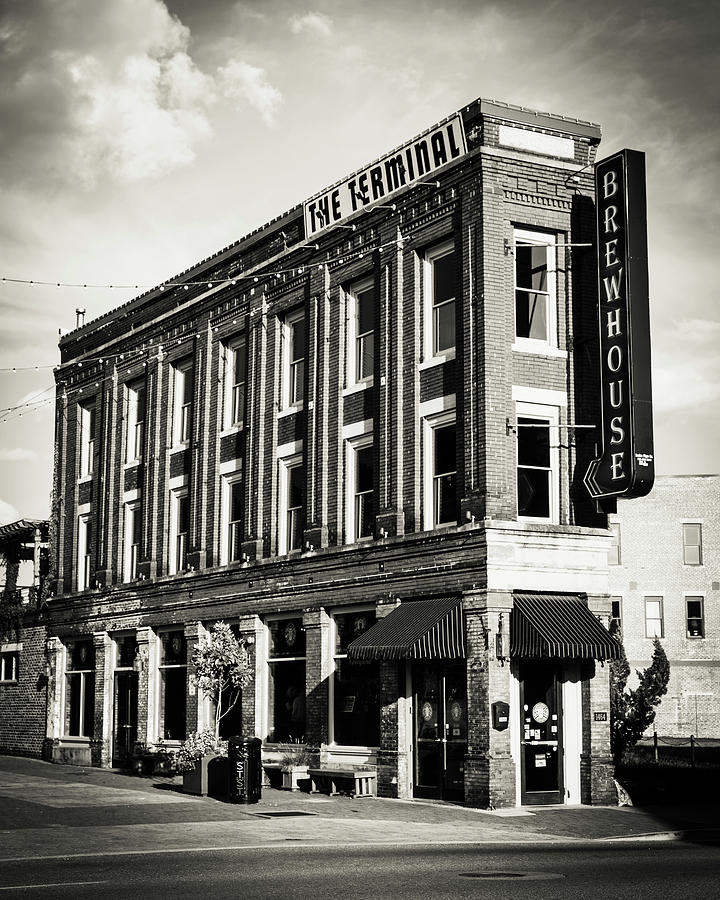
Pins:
x: 617, y: 870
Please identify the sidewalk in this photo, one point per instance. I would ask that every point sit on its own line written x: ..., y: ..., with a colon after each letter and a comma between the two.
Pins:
x: 51, y: 810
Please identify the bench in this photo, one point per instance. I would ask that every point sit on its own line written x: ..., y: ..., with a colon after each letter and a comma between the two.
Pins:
x: 359, y: 781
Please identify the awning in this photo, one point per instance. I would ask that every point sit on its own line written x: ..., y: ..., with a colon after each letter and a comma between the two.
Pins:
x: 558, y: 626
x: 417, y: 629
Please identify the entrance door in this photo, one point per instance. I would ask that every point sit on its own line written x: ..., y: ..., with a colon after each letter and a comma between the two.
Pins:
x: 541, y: 733
x: 125, y: 716
x: 440, y: 699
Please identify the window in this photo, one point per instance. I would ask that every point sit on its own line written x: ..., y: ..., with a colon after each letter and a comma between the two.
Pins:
x: 133, y: 538
x: 355, y: 708
x: 232, y: 499
x: 537, y: 462
x: 80, y: 694
x: 654, y: 617
x: 614, y: 554
x: 9, y: 665
x: 616, y: 615
x: 183, y: 396
x: 290, y: 525
x: 441, y: 281
x: 84, y: 552
x: 86, y: 419
x: 360, y: 520
x: 179, y: 530
x: 286, y: 682
x: 136, y: 421
x: 535, y: 304
x: 172, y: 709
x: 692, y: 544
x: 294, y: 359
x: 361, y: 332
x: 694, y: 617
x: 235, y: 355
x: 444, y: 471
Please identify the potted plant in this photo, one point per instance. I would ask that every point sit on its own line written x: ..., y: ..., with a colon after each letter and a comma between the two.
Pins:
x: 294, y: 766
x: 222, y: 669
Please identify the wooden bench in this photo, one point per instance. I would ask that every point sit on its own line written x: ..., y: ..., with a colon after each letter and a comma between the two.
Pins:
x: 359, y: 781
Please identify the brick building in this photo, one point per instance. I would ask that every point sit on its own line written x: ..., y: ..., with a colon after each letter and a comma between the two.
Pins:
x: 23, y: 660
x: 665, y: 581
x: 353, y: 434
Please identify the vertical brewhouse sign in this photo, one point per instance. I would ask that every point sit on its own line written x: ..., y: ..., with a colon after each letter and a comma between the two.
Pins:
x: 625, y: 465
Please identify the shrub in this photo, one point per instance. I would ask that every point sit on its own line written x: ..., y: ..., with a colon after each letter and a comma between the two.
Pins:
x: 197, y: 745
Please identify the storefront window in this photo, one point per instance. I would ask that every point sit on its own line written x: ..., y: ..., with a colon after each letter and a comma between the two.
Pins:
x: 286, y: 682
x: 80, y: 697
x: 356, y: 686
x: 173, y: 686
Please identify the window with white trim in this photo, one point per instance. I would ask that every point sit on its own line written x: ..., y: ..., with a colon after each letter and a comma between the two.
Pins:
x: 179, y: 530
x: 84, y: 558
x: 695, y: 616
x: 172, y: 669
x: 361, y: 332
x: 80, y: 692
x: 654, y: 624
x: 293, y: 350
x: 360, y: 511
x: 537, y: 462
x: 133, y: 538
x: 135, y: 421
x: 290, y: 509
x: 286, y: 680
x: 235, y: 361
x: 440, y: 300
x: 692, y: 544
x: 232, y: 509
x: 355, y: 707
x: 616, y: 615
x: 183, y: 399
x: 9, y: 665
x: 535, y: 290
x: 440, y: 467
x: 86, y: 420
x: 614, y: 553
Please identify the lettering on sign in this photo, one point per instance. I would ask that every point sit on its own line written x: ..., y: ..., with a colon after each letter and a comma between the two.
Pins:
x: 412, y: 162
x: 600, y: 717
x: 625, y: 465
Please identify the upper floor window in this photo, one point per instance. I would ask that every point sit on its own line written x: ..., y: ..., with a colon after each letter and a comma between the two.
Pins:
x: 86, y: 417
x: 294, y: 358
x: 692, y: 544
x: 179, y: 530
x: 360, y: 521
x: 235, y: 354
x: 290, y: 524
x: 440, y: 470
x: 136, y: 421
x: 614, y: 553
x: 84, y: 558
x: 537, y: 462
x: 654, y: 625
x: 183, y: 397
x: 361, y: 332
x: 695, y: 618
x: 232, y: 501
x: 441, y: 293
x: 535, y: 290
x: 9, y: 665
x: 616, y: 615
x: 133, y: 536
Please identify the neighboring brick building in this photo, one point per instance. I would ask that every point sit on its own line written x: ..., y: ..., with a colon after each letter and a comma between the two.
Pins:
x: 323, y: 420
x: 665, y: 580
x: 23, y: 676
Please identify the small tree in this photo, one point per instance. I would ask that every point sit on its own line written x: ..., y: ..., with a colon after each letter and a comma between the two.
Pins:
x: 222, y: 669
x: 632, y: 712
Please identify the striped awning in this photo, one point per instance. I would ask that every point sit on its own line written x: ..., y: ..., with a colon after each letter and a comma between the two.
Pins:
x: 417, y: 629
x: 558, y: 626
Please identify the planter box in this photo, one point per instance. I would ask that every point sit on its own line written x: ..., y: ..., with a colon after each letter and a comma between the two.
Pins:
x: 293, y: 775
x: 209, y: 777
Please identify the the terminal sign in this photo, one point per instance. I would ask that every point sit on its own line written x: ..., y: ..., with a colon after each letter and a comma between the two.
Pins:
x: 625, y: 465
x: 415, y: 161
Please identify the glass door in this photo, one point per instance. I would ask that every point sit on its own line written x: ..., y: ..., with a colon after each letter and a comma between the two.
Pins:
x: 125, y: 718
x: 440, y: 704
x: 541, y: 733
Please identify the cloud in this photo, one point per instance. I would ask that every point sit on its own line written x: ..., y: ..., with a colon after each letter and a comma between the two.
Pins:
x: 686, y: 368
x: 241, y: 81
x: 312, y: 22
x: 8, y: 513
x: 17, y: 454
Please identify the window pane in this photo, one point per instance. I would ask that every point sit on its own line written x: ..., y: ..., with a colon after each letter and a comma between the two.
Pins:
x: 357, y: 703
x: 239, y: 361
x: 297, y: 340
x: 349, y: 626
x: 444, y: 287
x: 297, y: 382
x: 534, y: 493
x: 531, y: 266
x: 444, y: 326
x: 533, y: 437
x: 173, y: 703
x: 286, y: 690
x: 692, y: 545
x: 695, y: 624
x: 445, y: 499
x: 295, y: 487
x: 365, y: 348
x: 140, y: 404
x: 444, y: 449
x: 364, y: 469
x: 531, y: 315
x: 365, y: 302
x: 287, y: 638
x: 236, y: 501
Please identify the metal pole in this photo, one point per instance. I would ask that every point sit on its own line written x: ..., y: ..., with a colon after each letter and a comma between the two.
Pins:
x: 692, y: 751
x: 655, y: 744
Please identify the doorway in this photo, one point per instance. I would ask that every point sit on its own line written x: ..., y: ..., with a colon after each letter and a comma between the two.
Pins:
x: 125, y: 716
x: 440, y: 704
x: 541, y: 734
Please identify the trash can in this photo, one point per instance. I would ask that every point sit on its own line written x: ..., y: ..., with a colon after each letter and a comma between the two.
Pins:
x: 245, y: 769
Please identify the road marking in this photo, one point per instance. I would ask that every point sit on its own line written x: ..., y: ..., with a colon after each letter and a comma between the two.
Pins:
x: 23, y: 887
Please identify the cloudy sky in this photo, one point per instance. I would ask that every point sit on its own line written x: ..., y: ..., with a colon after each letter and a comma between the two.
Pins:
x: 138, y: 137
